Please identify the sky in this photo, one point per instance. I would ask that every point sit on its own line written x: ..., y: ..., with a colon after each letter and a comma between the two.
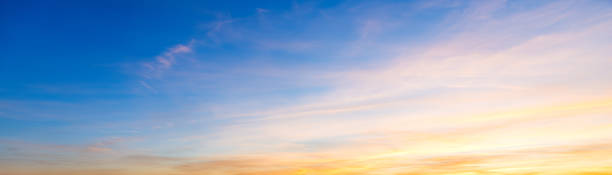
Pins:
x: 386, y: 87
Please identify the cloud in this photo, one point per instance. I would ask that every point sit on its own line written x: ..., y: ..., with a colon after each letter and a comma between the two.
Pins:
x: 146, y: 85
x: 166, y: 60
x: 153, y: 160
x: 531, y: 160
x: 102, y: 146
x: 98, y: 149
x: 163, y: 63
x: 261, y: 11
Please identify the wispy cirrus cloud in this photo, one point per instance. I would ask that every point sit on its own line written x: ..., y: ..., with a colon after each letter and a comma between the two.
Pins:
x: 166, y: 60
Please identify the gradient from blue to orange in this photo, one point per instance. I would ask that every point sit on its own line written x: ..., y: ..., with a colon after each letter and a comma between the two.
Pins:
x: 316, y: 87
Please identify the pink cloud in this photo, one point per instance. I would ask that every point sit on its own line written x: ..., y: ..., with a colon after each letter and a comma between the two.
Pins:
x: 166, y: 60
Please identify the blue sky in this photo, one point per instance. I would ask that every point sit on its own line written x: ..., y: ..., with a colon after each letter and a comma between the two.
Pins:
x: 92, y: 52
x: 130, y: 87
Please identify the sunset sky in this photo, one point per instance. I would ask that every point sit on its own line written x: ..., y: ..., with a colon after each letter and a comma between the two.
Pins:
x: 122, y: 87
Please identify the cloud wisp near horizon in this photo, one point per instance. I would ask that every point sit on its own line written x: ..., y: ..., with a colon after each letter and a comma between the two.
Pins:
x: 317, y: 87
